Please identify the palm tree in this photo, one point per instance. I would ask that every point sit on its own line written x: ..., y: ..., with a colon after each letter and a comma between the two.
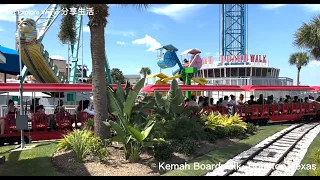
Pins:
x: 308, y: 37
x: 97, y: 24
x: 299, y: 59
x: 145, y: 71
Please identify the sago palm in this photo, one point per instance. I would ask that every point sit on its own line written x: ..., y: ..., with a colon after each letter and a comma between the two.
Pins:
x: 308, y: 37
x: 97, y: 24
x: 299, y: 59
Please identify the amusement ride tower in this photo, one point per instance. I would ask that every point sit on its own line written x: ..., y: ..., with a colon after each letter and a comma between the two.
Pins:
x: 234, y: 29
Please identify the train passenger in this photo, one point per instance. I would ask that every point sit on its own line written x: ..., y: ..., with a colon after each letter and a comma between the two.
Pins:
x: 205, y: 102
x: 280, y: 101
x: 192, y: 101
x: 86, y: 107
x: 233, y: 101
x: 252, y: 101
x: 211, y: 102
x: 295, y: 99
x: 59, y: 108
x: 225, y: 101
x: 241, y: 99
x: 11, y: 108
x: 219, y: 103
x: 200, y: 101
x: 261, y: 100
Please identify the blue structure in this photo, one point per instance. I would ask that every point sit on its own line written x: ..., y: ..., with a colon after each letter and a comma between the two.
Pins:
x: 168, y: 59
x: 234, y: 29
x: 12, y: 64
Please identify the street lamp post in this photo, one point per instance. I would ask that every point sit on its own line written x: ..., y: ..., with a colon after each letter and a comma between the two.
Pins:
x: 21, y: 88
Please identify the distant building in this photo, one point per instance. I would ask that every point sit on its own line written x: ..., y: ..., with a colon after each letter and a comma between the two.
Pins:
x: 133, y: 79
x: 63, y: 69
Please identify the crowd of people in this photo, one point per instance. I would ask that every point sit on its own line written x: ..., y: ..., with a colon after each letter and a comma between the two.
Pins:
x: 37, y: 110
x: 225, y: 101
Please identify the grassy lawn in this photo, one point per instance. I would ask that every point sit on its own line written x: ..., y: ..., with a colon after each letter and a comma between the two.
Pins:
x: 223, y: 154
x: 37, y: 161
x: 315, y: 145
x: 34, y: 162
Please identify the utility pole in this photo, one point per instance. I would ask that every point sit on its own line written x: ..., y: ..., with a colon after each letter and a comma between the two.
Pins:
x: 20, y: 77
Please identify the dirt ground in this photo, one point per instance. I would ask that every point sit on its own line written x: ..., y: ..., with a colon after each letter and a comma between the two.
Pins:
x: 116, y: 166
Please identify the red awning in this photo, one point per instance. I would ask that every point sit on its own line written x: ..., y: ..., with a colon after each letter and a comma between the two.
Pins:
x: 278, y: 88
x: 53, y: 87
x: 152, y: 88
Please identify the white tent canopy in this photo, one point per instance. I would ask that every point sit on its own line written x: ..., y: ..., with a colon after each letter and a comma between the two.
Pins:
x: 26, y: 94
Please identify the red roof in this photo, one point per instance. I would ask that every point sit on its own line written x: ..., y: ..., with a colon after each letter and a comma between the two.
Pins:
x: 316, y: 88
x: 278, y: 88
x: 151, y: 88
x: 49, y: 87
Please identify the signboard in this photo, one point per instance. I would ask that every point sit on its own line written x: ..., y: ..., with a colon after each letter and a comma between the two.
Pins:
x: 251, y: 59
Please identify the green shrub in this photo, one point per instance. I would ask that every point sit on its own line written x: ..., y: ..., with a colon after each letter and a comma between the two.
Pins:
x: 316, y: 161
x: 251, y: 128
x: 163, y: 151
x: 83, y: 143
x: 185, y: 146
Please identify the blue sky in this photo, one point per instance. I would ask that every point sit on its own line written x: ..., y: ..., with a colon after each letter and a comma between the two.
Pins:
x: 132, y: 35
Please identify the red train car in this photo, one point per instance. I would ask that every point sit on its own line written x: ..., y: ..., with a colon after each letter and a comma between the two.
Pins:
x: 39, y: 123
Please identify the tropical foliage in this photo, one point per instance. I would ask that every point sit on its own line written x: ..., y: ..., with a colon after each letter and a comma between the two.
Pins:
x: 145, y: 71
x: 117, y: 76
x: 97, y: 23
x: 299, y: 59
x: 308, y: 37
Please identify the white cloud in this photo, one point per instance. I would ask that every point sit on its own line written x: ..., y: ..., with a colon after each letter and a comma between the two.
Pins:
x: 272, y: 6
x: 121, y: 33
x: 27, y: 10
x: 112, y: 32
x: 311, y: 7
x: 177, y: 11
x: 120, y: 42
x: 1, y: 30
x: 86, y: 28
x: 312, y: 74
x: 208, y: 53
x: 217, y: 53
x: 138, y: 69
x: 150, y: 42
x: 314, y: 63
x: 57, y: 57
x: 157, y: 26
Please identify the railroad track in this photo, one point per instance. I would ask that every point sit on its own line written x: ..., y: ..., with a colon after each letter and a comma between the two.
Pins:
x: 279, y: 154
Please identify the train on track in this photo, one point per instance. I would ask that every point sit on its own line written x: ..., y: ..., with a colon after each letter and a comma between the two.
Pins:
x: 39, y: 127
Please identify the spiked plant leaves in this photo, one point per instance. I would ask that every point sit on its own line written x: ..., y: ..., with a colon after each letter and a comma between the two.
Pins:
x: 175, y: 98
x: 140, y: 136
x: 120, y: 92
x: 159, y: 100
x: 132, y: 98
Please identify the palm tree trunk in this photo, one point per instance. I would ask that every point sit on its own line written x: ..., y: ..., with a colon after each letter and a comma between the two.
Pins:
x: 298, y: 77
x: 97, y: 44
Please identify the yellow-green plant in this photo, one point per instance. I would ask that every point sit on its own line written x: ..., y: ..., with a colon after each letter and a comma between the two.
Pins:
x: 83, y: 143
x: 229, y: 125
